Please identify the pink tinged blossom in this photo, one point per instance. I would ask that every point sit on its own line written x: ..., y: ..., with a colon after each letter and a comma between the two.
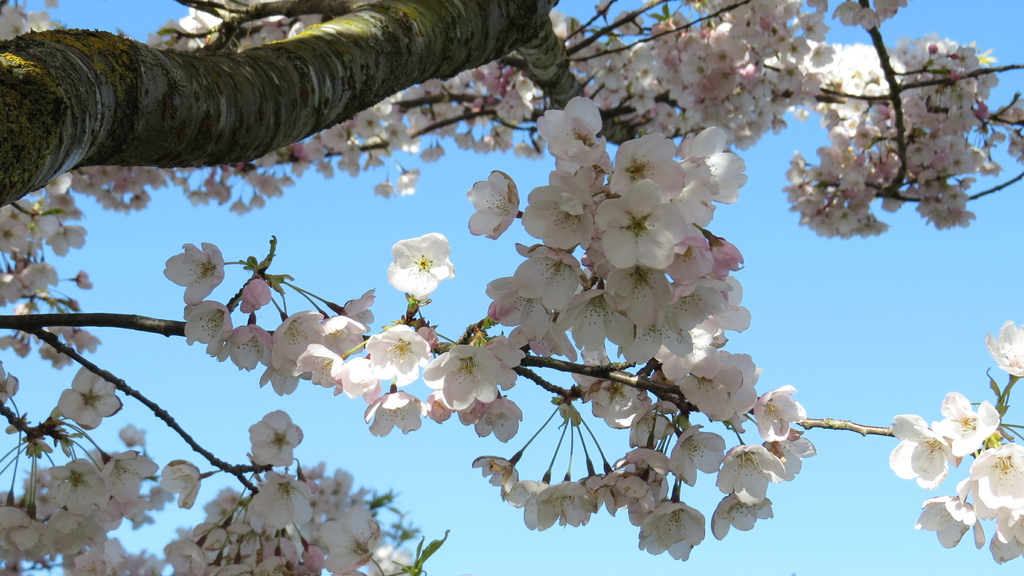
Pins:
x: 359, y: 309
x: 420, y: 263
x: 18, y: 530
x: 435, y: 408
x: 342, y: 334
x: 618, y: 404
x: 950, y: 519
x: 727, y: 175
x: 559, y: 214
x: 9, y: 385
x: 502, y: 472
x: 592, y: 319
x: 467, y: 373
x: 324, y: 365
x: 292, y: 338
x: 727, y: 257
x: 567, y: 503
x: 732, y: 513
x: 496, y: 201
x: 1008, y: 348
x: 548, y: 274
x: 124, y: 473
x: 572, y: 134
x: 108, y: 559
x: 775, y: 411
x: 501, y: 417
x: 792, y: 451
x: 696, y: 450
x: 351, y: 540
x: 282, y: 500
x: 79, y: 487
x: 673, y: 527
x: 209, y: 323
x: 67, y: 533
x: 66, y: 237
x: 523, y: 494
x: 255, y: 295
x: 132, y: 436
x: 284, y: 379
x: 357, y: 380
x: 639, y: 227
x: 398, y: 353
x: 965, y: 429
x: 649, y: 157
x: 921, y: 454
x: 248, y: 346
x: 273, y: 439
x: 82, y: 280
x: 198, y: 271
x: 89, y: 400
x: 746, y: 472
x: 186, y: 557
x: 395, y: 409
x: 997, y: 478
x: 181, y: 478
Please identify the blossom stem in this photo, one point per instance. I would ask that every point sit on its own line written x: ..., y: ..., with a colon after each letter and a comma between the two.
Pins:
x: 515, y: 458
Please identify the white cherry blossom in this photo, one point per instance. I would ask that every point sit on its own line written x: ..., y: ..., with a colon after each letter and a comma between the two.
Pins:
x: 89, y: 400
x: 1008, y: 348
x: 274, y: 438
x: 921, y: 454
x: 199, y: 271
x: 420, y: 263
x: 496, y: 201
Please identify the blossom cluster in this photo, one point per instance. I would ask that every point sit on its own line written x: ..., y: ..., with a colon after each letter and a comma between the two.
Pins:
x: 650, y: 278
x: 654, y: 282
x: 864, y: 160
x: 674, y: 73
x: 298, y: 523
x: 994, y: 488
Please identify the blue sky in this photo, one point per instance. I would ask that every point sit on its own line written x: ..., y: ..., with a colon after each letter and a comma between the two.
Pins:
x: 864, y: 329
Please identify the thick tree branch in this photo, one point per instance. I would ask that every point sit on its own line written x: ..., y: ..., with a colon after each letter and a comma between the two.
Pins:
x: 238, y: 471
x: 31, y: 322
x: 547, y: 64
x: 78, y: 98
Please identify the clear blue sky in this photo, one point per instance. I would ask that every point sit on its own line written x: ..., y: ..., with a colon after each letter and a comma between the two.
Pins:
x: 864, y: 329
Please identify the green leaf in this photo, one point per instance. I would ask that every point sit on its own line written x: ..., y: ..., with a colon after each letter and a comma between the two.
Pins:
x: 423, y: 554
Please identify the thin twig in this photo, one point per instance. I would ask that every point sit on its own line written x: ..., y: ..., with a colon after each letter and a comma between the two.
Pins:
x: 997, y: 188
x: 832, y: 424
x: 235, y: 470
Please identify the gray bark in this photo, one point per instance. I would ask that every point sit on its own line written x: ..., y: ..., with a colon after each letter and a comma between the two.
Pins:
x: 82, y: 98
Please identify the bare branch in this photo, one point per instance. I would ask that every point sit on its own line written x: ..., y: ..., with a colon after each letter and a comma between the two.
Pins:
x: 31, y: 322
x: 831, y: 424
x: 997, y: 188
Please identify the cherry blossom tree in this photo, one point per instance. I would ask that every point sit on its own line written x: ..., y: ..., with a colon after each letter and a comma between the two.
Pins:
x: 618, y: 313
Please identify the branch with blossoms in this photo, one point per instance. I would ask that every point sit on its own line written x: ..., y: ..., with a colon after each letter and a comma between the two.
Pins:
x: 236, y: 470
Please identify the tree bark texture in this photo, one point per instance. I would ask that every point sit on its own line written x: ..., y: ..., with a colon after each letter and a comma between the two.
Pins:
x: 83, y: 98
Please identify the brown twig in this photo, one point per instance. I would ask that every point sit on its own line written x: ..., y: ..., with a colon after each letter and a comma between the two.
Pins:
x: 832, y: 424
x: 235, y: 470
x: 32, y: 322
